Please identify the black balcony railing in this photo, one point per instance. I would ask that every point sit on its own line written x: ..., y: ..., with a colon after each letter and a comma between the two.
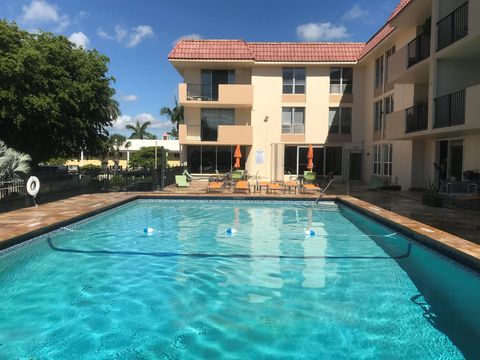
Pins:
x: 450, y: 110
x: 202, y: 92
x: 418, y: 49
x: 417, y: 117
x: 452, y: 27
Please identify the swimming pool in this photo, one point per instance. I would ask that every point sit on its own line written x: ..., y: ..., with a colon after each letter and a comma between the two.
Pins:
x: 103, y: 289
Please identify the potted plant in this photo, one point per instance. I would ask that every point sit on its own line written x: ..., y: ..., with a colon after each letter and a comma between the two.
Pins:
x: 432, y: 197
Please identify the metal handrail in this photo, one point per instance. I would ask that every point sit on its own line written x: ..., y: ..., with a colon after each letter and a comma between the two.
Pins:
x: 323, y: 192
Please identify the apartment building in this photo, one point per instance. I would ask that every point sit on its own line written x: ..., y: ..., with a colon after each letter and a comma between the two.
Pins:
x: 403, y: 107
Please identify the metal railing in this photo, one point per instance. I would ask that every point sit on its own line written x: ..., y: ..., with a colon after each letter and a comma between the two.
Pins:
x: 194, y: 132
x: 416, y: 117
x: 452, y: 27
x: 418, y: 49
x: 202, y: 92
x: 450, y: 110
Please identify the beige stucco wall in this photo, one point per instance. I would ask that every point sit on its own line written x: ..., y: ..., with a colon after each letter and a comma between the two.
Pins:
x: 471, y: 149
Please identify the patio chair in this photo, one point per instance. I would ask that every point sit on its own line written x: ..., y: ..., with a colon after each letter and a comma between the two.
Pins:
x: 190, y: 177
x: 237, y: 175
x: 289, y: 185
x: 242, y: 185
x: 216, y: 186
x: 274, y: 187
x: 309, y: 176
x: 181, y: 181
x: 310, y: 187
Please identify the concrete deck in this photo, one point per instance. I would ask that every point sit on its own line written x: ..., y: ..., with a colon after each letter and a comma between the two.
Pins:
x: 20, y: 225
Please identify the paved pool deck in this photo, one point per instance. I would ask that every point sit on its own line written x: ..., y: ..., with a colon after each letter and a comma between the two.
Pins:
x: 20, y: 225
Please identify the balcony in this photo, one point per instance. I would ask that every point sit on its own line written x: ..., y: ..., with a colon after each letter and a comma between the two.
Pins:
x: 452, y: 27
x: 224, y: 135
x: 223, y: 95
x: 401, y: 67
x: 418, y: 49
x: 416, y: 117
x: 450, y: 110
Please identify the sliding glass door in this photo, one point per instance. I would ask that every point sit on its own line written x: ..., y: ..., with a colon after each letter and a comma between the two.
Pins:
x: 209, y: 159
x: 326, y: 159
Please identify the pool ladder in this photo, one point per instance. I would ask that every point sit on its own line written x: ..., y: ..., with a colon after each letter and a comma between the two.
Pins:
x: 322, y: 192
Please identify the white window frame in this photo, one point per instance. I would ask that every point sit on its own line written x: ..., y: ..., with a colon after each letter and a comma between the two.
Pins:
x: 330, y: 119
x: 294, y: 80
x: 387, y: 159
x: 377, y: 115
x: 377, y: 159
x: 341, y: 87
x: 294, y: 128
x: 379, y: 71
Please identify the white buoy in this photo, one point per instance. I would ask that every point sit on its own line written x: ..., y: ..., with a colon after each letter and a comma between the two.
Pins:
x: 148, y: 230
x: 310, y: 232
x: 231, y: 231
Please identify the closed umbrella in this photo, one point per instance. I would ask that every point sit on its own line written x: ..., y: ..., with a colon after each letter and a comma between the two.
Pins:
x: 238, y: 156
x: 310, y: 157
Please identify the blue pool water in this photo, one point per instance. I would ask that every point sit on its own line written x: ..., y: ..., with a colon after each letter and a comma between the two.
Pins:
x: 103, y: 289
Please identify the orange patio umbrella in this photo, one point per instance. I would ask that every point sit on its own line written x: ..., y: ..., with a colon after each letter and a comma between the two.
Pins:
x: 238, y: 156
x: 310, y: 157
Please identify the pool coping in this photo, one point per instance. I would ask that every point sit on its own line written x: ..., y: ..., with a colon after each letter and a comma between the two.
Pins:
x: 463, y: 251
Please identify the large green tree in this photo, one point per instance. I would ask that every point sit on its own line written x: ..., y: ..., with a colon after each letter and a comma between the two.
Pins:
x: 139, y: 131
x: 175, y: 115
x: 55, y: 98
x: 144, y: 159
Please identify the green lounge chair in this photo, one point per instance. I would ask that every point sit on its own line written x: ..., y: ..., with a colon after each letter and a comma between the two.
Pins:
x: 237, y: 175
x: 181, y: 181
x: 309, y: 176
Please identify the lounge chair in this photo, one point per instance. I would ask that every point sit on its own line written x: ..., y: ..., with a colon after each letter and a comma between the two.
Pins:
x: 274, y: 187
x: 242, y: 185
x: 216, y: 186
x: 310, y: 187
x: 237, y: 175
x: 261, y: 184
x: 291, y: 185
x: 309, y: 176
x: 181, y: 181
x: 190, y: 177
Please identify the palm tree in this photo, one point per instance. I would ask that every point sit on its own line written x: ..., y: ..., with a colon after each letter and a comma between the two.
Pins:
x: 173, y: 133
x: 140, y: 131
x: 13, y: 164
x: 112, y: 146
x: 175, y: 114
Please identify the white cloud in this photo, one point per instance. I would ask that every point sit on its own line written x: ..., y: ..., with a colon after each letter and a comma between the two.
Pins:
x: 128, y: 37
x: 79, y: 39
x: 124, y: 120
x: 129, y: 98
x: 187, y: 37
x: 355, y: 12
x: 321, y: 32
x: 42, y: 13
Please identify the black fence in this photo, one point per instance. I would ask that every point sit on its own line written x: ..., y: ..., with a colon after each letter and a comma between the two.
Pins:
x: 418, y: 49
x: 57, y: 185
x: 452, y: 27
x: 417, y: 117
x: 450, y: 110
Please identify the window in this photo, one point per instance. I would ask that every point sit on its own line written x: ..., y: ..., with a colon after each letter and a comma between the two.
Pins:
x: 341, y: 80
x: 340, y: 120
x: 377, y: 160
x: 295, y: 159
x: 293, y: 120
x: 388, y: 104
x: 377, y: 116
x: 210, y: 79
x: 379, y: 72
x: 390, y: 52
x: 387, y: 159
x: 211, y: 118
x: 208, y: 159
x: 294, y: 80
x: 333, y: 160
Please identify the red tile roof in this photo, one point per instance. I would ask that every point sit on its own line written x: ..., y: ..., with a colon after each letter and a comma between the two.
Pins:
x: 305, y: 52
x: 282, y: 51
x: 265, y: 52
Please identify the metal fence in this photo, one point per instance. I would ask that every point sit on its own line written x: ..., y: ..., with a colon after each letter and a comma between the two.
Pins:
x: 452, y: 27
x: 56, y: 186
x: 450, y: 110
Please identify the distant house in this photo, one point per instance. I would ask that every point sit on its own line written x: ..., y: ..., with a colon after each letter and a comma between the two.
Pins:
x: 172, y: 147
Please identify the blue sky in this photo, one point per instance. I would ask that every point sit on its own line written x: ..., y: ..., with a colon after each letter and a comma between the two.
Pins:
x: 138, y: 35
